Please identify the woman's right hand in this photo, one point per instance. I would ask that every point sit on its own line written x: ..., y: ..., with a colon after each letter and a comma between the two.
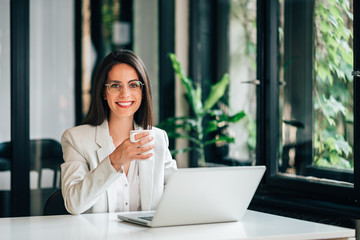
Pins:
x: 128, y: 151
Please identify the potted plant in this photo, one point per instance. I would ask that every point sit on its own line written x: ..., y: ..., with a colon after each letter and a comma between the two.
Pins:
x: 193, y: 127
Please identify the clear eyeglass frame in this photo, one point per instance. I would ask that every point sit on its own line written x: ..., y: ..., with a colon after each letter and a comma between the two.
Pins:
x: 115, y: 87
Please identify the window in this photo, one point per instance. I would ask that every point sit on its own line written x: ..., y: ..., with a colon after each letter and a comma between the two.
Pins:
x: 242, y: 87
x: 36, y: 57
x: 51, y: 93
x: 308, y: 113
x: 316, y: 90
x: 223, y: 40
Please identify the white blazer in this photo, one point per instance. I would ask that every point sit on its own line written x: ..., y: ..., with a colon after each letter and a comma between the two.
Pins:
x: 87, y: 175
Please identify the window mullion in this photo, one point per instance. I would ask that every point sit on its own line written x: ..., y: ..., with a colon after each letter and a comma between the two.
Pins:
x: 20, y: 166
x: 356, y: 98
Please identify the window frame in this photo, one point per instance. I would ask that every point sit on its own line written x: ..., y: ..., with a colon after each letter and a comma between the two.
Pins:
x: 274, y: 185
x: 20, y: 107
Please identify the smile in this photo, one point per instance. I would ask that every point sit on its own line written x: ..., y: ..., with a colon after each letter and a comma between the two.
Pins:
x: 125, y: 104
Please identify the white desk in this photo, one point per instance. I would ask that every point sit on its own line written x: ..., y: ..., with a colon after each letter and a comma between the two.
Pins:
x: 255, y: 225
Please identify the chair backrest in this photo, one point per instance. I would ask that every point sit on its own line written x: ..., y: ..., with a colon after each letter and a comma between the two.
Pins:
x: 55, y: 204
x: 45, y: 159
x: 5, y: 156
x: 46, y: 154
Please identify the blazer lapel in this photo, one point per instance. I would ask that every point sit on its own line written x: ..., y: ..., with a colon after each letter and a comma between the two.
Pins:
x: 106, y: 146
x: 104, y: 141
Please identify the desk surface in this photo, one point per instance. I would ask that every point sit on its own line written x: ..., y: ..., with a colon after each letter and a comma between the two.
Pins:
x: 254, y: 225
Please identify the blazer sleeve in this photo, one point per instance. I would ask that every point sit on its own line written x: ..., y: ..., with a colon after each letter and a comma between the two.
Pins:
x: 169, y: 163
x: 81, y: 186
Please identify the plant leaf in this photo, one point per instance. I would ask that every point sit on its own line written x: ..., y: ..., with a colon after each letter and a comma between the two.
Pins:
x: 193, y: 93
x: 237, y: 117
x: 222, y: 138
x: 216, y: 92
x: 211, y: 127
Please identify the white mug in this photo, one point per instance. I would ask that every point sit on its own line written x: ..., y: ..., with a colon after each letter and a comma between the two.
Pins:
x: 152, y: 134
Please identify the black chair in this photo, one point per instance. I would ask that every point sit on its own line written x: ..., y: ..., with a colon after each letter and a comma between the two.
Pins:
x: 5, y: 165
x: 55, y: 204
x: 5, y: 156
x: 44, y: 154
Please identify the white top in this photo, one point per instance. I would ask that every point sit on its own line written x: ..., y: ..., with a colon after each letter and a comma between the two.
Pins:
x: 254, y: 225
x: 128, y: 190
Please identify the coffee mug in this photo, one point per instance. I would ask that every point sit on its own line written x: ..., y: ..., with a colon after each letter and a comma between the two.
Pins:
x: 151, y: 134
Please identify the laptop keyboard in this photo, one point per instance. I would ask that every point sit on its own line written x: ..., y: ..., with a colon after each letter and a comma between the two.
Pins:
x: 149, y: 218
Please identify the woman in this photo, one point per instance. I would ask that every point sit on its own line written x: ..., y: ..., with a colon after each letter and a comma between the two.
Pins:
x: 103, y: 170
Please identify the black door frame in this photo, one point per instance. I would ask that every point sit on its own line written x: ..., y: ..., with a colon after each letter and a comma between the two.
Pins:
x: 19, y: 72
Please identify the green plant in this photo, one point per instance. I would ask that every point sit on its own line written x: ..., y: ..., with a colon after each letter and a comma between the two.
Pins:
x: 205, y: 125
x: 333, y: 86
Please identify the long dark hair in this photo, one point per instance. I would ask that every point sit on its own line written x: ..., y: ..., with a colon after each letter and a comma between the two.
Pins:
x: 99, y: 109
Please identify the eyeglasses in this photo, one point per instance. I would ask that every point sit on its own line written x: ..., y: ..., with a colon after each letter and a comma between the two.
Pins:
x: 115, y: 87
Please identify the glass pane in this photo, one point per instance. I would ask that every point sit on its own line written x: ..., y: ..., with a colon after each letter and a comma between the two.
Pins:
x: 5, y: 153
x: 242, y: 88
x: 51, y: 93
x: 316, y: 89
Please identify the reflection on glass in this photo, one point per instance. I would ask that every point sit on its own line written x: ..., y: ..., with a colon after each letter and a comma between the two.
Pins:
x: 242, y: 96
x: 5, y: 152
x: 316, y: 90
x: 51, y: 93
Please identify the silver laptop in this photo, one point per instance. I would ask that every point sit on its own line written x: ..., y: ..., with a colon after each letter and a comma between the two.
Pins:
x: 202, y: 195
